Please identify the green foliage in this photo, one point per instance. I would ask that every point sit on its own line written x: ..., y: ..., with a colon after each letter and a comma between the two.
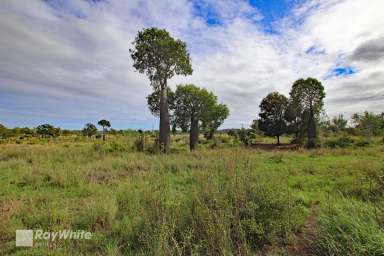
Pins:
x: 308, y: 94
x: 349, y: 227
x: 339, y: 123
x: 272, y: 115
x: 47, y: 130
x: 3, y: 131
x: 197, y: 105
x: 193, y: 102
x: 341, y: 142
x: 306, y: 103
x: 104, y: 123
x: 214, y: 119
x: 369, y: 123
x: 160, y: 56
x: 89, y: 130
x: 153, y: 101
x: 246, y: 136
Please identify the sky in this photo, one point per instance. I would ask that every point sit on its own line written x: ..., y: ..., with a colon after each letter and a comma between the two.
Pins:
x: 67, y: 62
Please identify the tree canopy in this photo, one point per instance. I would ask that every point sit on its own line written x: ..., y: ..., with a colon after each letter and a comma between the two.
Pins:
x: 89, y: 130
x: 105, y: 124
x: 306, y: 103
x: 160, y: 56
x: 214, y: 119
x: 272, y: 115
x: 47, y: 130
x: 197, y: 105
x: 369, y: 123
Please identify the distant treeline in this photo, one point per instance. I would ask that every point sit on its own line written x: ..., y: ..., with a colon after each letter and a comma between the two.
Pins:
x: 196, y: 110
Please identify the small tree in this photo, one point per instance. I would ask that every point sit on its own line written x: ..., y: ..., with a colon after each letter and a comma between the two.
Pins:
x: 3, y: 131
x: 140, y: 141
x: 369, y: 123
x: 339, y: 123
x: 246, y: 136
x: 105, y: 124
x: 272, y: 115
x: 214, y: 119
x: 89, y: 130
x: 160, y: 57
x: 307, y: 102
x: 47, y: 130
x: 193, y: 103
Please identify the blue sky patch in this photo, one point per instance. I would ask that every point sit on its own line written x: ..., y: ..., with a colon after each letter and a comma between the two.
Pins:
x: 274, y: 10
x: 207, y: 12
x: 270, y: 10
x: 341, y: 72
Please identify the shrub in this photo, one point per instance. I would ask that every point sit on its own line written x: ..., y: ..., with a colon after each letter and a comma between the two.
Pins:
x: 363, y: 143
x: 342, y: 142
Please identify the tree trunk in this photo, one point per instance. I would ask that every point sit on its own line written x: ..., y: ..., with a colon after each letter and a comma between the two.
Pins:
x: 103, y: 133
x: 165, y: 131
x: 278, y: 140
x: 311, y: 130
x: 194, y: 134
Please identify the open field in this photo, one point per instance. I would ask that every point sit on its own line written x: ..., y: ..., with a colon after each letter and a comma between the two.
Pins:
x: 220, y: 200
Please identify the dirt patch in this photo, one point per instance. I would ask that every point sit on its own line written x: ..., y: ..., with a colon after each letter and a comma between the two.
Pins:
x: 100, y: 176
x: 301, y: 245
x: 302, y: 242
x: 105, y: 176
x: 7, y: 209
x: 276, y: 147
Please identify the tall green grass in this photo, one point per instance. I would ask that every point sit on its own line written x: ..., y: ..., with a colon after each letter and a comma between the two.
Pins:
x: 228, y: 200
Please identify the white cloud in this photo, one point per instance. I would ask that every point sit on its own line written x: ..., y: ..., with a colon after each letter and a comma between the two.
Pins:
x: 73, y: 63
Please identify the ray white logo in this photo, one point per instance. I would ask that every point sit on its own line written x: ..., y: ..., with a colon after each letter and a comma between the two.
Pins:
x: 25, y: 238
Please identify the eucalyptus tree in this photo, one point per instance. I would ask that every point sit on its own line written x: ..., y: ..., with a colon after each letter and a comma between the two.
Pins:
x: 307, y: 98
x: 160, y: 57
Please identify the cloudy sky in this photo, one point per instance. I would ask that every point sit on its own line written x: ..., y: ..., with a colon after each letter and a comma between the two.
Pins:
x: 67, y: 62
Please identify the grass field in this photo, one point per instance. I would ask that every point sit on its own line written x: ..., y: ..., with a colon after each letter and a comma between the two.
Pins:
x: 223, y: 199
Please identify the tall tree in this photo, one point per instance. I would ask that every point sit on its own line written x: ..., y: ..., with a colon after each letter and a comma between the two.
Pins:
x: 160, y: 57
x: 307, y: 97
x: 193, y: 103
x: 214, y: 119
x: 89, y: 130
x: 105, y: 124
x: 272, y: 115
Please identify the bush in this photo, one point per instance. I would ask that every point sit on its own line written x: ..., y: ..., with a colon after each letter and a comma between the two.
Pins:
x: 342, y: 142
x: 363, y: 143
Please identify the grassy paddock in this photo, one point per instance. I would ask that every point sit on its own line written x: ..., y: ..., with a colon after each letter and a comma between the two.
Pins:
x: 220, y: 200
